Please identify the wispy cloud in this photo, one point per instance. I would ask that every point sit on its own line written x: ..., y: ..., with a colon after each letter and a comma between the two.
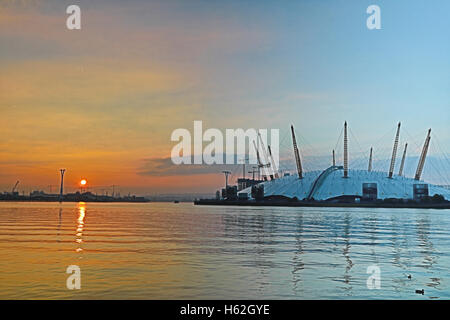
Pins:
x: 165, y: 167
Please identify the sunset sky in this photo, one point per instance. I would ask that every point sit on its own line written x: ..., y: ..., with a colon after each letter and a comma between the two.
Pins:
x: 103, y: 101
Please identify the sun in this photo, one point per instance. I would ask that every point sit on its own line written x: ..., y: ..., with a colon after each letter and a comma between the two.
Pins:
x: 83, y: 182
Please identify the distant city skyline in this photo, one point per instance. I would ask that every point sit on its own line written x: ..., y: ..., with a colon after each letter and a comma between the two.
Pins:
x: 102, y: 101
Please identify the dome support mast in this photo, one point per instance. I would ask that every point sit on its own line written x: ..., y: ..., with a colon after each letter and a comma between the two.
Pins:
x: 402, y: 165
x: 345, y: 151
x: 394, y: 152
x: 298, y: 161
x: 423, y: 156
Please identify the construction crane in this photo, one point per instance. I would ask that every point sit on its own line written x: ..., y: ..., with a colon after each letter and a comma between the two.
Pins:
x: 15, y: 186
x: 260, y: 164
x: 266, y: 158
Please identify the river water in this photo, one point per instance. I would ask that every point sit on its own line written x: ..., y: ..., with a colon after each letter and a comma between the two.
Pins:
x: 182, y: 251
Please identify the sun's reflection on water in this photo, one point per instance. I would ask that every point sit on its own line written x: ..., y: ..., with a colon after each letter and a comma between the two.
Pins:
x: 80, y: 225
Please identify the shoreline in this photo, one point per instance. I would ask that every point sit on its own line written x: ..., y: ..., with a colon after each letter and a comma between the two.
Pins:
x: 265, y: 203
x: 75, y: 200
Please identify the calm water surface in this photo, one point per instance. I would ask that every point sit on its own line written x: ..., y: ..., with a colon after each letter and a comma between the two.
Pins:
x: 182, y: 251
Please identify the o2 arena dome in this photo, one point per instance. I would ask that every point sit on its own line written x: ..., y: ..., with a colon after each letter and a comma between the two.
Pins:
x: 339, y: 183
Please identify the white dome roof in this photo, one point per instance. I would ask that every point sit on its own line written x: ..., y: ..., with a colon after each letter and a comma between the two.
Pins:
x: 323, y: 185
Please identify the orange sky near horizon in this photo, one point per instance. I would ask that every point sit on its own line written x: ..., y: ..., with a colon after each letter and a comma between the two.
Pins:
x: 92, y: 102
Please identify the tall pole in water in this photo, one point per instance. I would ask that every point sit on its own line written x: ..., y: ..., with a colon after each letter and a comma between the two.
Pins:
x: 298, y: 161
x: 345, y: 151
x: 394, y: 152
x: 334, y: 159
x: 62, y: 184
x: 423, y: 156
x: 370, y: 160
x: 402, y: 165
